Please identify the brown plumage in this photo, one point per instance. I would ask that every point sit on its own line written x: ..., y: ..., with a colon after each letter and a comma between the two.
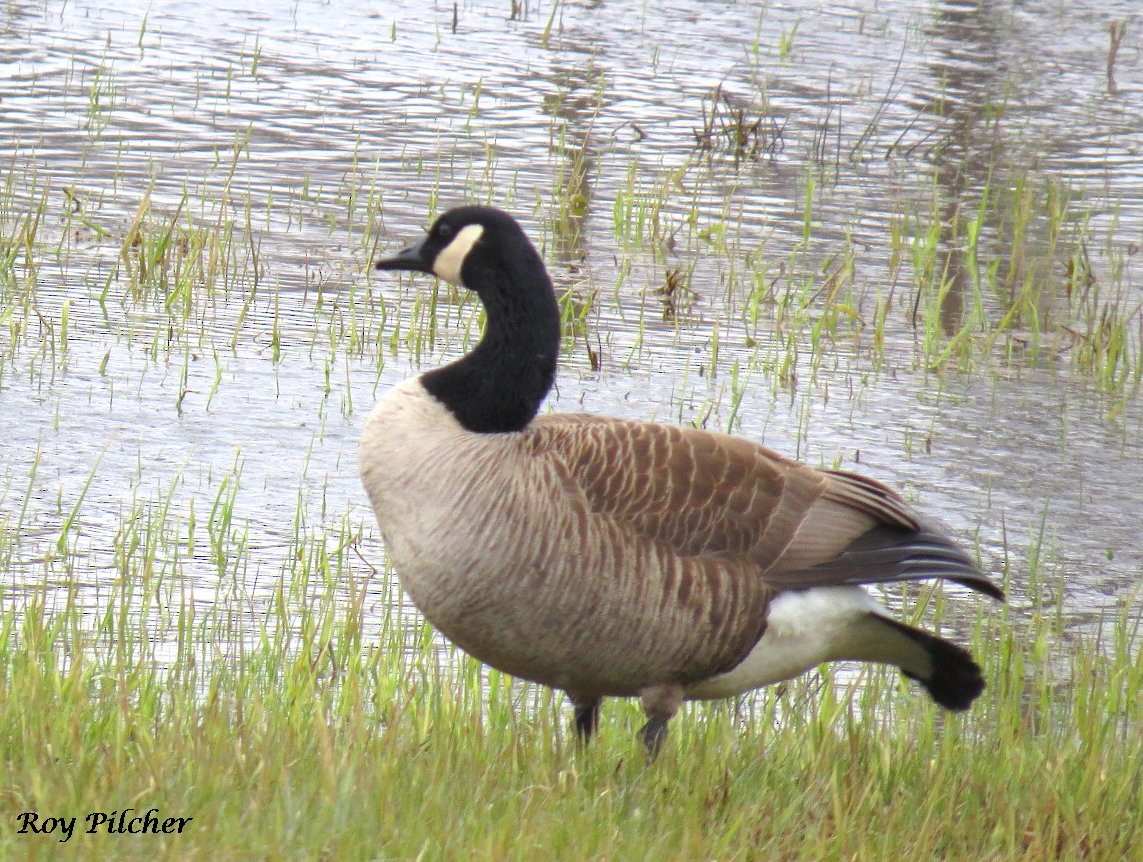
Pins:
x: 608, y: 557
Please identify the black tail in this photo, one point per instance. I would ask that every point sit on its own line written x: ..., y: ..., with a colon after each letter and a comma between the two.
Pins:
x: 954, y: 679
x: 890, y: 553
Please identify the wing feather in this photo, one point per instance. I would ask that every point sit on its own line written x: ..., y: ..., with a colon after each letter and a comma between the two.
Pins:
x: 706, y: 494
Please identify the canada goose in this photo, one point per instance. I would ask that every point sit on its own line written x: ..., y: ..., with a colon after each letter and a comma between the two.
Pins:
x: 608, y: 557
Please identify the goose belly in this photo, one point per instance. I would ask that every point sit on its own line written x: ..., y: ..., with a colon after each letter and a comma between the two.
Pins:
x: 537, y: 604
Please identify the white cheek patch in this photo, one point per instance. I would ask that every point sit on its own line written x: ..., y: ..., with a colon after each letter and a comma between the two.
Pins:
x: 451, y: 257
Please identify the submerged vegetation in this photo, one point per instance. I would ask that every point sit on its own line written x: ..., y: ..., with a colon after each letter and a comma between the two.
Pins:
x: 195, y: 611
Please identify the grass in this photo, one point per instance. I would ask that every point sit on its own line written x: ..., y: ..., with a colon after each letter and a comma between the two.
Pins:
x: 343, y: 730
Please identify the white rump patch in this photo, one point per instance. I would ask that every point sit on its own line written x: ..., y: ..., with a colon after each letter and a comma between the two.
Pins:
x: 804, y: 629
x: 451, y: 257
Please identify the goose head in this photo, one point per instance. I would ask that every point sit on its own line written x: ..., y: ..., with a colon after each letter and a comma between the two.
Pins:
x: 478, y: 247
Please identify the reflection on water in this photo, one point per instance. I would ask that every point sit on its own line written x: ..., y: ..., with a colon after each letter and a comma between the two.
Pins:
x: 309, y: 135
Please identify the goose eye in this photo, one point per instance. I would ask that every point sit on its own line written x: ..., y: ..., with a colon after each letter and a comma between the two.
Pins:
x: 444, y: 230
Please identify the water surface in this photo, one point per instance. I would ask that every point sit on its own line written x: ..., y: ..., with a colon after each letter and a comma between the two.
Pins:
x: 276, y: 152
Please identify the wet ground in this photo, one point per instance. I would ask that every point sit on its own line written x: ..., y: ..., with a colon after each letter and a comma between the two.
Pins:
x: 189, y: 196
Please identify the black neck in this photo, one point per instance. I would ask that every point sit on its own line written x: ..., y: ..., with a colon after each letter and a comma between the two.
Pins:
x: 499, y: 386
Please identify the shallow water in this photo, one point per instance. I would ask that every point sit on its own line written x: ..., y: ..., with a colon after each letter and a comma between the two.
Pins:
x: 311, y: 136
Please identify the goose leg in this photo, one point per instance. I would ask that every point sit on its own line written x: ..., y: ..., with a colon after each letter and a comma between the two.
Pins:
x: 652, y: 734
x: 586, y: 716
x: 660, y: 703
